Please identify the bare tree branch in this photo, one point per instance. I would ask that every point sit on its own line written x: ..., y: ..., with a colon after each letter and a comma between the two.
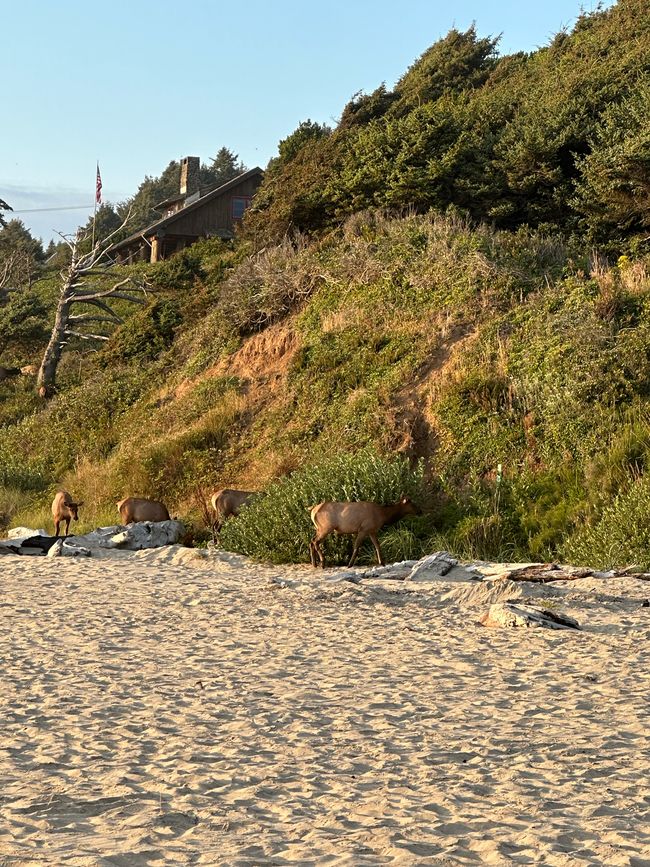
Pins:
x: 81, y: 319
x: 83, y: 336
x: 86, y: 270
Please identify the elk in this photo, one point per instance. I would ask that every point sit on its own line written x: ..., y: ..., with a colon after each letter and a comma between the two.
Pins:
x: 134, y: 509
x: 64, y: 509
x: 227, y: 502
x: 363, y: 518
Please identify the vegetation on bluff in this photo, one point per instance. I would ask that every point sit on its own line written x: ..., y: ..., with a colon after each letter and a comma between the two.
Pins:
x: 470, y: 290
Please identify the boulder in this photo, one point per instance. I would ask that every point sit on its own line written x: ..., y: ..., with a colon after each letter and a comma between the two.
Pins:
x: 145, y: 534
x: 506, y: 614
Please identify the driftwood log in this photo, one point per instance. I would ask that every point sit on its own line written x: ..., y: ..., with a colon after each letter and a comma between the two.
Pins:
x: 506, y: 614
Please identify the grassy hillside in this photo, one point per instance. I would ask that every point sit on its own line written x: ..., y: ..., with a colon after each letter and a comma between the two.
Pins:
x: 474, y: 348
x: 419, y: 335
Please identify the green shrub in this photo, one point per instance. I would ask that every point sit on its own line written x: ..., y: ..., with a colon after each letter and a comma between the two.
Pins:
x: 146, y: 334
x: 491, y: 537
x: 622, y: 535
x: 276, y: 526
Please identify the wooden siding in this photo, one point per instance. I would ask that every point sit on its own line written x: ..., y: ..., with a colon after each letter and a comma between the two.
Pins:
x: 214, y: 217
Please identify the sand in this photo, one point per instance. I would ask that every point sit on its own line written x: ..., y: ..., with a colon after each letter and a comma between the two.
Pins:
x: 162, y: 709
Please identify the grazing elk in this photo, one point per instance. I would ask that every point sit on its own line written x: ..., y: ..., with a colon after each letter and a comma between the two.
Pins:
x: 363, y: 518
x: 228, y: 502
x: 64, y: 509
x: 134, y: 509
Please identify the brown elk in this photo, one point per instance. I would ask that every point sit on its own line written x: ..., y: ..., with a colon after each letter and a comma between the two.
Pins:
x: 64, y: 509
x: 134, y: 509
x: 363, y: 518
x: 227, y: 502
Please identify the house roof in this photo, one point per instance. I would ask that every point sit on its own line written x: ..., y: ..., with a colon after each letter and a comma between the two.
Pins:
x: 213, y: 194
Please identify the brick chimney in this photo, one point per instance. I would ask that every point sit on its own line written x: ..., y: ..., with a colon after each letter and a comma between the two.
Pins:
x: 190, y: 175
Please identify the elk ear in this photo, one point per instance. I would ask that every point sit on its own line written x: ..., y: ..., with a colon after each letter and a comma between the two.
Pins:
x: 79, y: 505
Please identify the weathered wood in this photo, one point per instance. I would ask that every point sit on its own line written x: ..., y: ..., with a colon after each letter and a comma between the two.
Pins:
x: 506, y: 614
x: 543, y: 573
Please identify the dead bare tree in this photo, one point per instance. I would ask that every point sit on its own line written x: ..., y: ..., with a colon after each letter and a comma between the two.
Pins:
x: 86, y: 281
x: 16, y: 271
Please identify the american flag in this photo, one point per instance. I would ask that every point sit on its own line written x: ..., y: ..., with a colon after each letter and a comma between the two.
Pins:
x: 98, y: 187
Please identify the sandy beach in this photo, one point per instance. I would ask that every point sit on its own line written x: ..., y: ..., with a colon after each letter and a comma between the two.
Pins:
x: 160, y: 709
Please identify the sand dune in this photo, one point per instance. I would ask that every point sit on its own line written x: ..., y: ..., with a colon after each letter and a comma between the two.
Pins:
x: 161, y: 709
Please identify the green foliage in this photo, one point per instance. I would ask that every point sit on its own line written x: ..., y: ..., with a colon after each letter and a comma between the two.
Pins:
x: 621, y: 536
x: 16, y: 238
x: 146, y: 334
x: 614, y: 192
x: 223, y: 167
x: 505, y: 140
x: 458, y: 62
x: 181, y: 270
x: 22, y: 323
x: 276, y: 526
x: 307, y: 131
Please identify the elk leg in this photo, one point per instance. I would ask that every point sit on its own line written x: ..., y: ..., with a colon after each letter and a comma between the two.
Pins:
x: 375, y: 542
x: 315, y: 548
x: 361, y: 535
x: 56, y: 528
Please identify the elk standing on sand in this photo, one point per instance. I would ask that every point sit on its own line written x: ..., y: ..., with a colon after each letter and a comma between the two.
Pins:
x: 363, y: 518
x: 64, y: 509
x: 228, y: 502
x: 134, y: 509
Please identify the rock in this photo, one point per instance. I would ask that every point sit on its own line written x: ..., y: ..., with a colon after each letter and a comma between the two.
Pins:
x: 509, y: 615
x: 145, y: 534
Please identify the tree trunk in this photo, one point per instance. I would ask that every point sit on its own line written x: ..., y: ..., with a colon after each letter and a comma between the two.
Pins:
x: 46, y: 381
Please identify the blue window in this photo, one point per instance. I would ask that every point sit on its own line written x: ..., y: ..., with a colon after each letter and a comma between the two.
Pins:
x: 239, y: 205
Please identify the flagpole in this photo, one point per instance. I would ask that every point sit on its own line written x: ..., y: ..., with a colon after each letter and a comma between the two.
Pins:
x: 95, y: 210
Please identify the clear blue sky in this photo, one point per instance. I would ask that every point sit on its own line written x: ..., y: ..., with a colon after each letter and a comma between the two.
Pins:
x: 138, y: 84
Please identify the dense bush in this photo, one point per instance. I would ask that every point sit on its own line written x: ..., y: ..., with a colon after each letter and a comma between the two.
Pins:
x: 621, y: 536
x: 276, y: 525
x: 502, y: 139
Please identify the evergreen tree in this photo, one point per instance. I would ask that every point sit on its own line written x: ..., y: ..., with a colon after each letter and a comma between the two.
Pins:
x: 225, y: 166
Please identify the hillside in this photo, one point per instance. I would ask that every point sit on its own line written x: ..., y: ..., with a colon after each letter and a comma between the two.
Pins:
x: 482, y: 306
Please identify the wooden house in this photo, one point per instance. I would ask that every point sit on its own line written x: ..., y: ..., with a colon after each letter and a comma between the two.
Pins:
x: 190, y: 215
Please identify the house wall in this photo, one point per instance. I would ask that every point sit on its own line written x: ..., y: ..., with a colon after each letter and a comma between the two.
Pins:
x: 215, y: 216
